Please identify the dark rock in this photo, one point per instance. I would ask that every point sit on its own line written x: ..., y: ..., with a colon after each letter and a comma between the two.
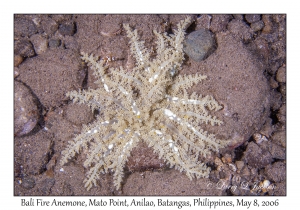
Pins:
x: 24, y: 27
x: 236, y: 61
x: 199, y: 44
x: 241, y: 30
x: 251, y: 18
x: 257, y: 157
x: 53, y: 43
x: 26, y: 112
x: 67, y: 28
x: 24, y: 48
x: 28, y: 183
x: 222, y: 175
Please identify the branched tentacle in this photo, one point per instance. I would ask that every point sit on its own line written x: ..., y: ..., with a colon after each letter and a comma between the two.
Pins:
x: 150, y: 104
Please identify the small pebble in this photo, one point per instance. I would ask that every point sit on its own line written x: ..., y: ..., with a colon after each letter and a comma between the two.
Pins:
x: 28, y: 183
x: 264, y: 185
x: 246, y: 172
x: 227, y: 158
x: 18, y: 59
x: 256, y: 157
x: 40, y: 43
x: 238, y: 16
x: 281, y: 74
x: 49, y: 26
x: 267, y: 129
x: 67, y: 28
x: 25, y: 110
x: 268, y: 24
x: 251, y: 18
x: 16, y: 72
x: 53, y: 43
x: 24, y: 48
x: 37, y: 21
x: 240, y: 29
x: 281, y: 118
x: 240, y: 164
x: 259, y: 138
x: 232, y: 167
x: 257, y: 26
x: 277, y: 152
x: 24, y: 27
x: 199, y: 44
x: 218, y: 161
x: 279, y: 138
x: 262, y: 47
